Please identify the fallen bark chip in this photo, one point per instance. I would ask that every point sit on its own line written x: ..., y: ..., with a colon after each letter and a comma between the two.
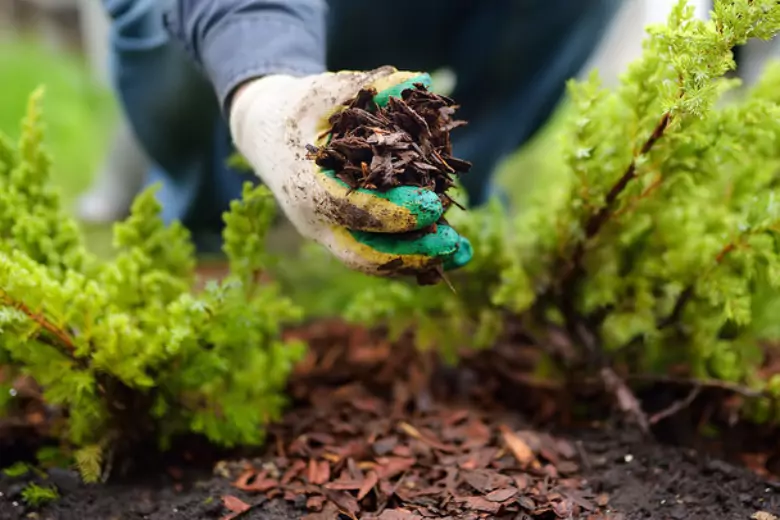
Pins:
x: 255, y: 482
x: 501, y: 495
x: 345, y: 502
x: 368, y: 484
x: 481, y: 504
x: 235, y: 505
x: 521, y: 451
x: 397, y: 514
x: 315, y: 503
x: 405, y: 143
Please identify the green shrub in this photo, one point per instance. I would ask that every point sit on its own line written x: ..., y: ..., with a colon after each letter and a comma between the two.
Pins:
x: 125, y: 347
x: 661, y: 246
x: 37, y: 496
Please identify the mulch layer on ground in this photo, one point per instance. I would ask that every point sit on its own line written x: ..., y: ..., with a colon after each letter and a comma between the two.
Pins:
x: 373, y: 435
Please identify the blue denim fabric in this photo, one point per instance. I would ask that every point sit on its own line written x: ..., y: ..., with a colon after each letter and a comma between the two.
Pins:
x: 511, y: 59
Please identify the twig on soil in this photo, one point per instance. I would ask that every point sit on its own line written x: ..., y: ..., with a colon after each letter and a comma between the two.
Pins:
x: 704, y: 385
x: 564, y: 294
x: 626, y: 399
x: 583, y: 455
x: 677, y: 406
x: 633, y: 379
x: 613, y: 384
x: 108, y: 466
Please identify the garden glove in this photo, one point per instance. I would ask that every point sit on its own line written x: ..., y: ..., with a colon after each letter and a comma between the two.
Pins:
x: 273, y: 118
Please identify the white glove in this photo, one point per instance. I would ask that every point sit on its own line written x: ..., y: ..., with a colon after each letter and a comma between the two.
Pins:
x: 272, y: 119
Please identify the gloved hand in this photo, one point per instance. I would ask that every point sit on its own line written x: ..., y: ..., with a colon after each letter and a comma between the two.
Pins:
x: 272, y: 119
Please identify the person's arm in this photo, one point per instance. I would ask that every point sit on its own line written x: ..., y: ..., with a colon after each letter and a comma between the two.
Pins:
x: 235, y: 41
x: 273, y: 52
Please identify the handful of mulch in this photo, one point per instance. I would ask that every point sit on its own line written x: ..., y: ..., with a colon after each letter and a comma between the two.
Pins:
x: 406, y: 143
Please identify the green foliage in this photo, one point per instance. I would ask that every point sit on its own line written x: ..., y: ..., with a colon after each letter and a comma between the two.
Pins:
x: 662, y: 242
x: 5, y: 395
x: 18, y: 469
x: 239, y: 162
x: 47, y: 236
x: 37, y: 496
x: 53, y: 457
x: 126, y: 346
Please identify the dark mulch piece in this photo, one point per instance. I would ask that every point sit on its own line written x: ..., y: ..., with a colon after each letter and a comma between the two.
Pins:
x: 406, y: 143
x: 371, y: 437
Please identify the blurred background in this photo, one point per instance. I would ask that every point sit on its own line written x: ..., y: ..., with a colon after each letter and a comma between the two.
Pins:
x: 63, y: 44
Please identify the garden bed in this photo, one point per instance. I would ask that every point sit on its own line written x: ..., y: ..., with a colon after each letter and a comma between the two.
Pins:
x: 640, y: 382
x: 376, y: 435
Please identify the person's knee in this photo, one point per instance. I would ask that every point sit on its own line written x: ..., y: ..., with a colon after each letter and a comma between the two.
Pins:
x: 169, y: 103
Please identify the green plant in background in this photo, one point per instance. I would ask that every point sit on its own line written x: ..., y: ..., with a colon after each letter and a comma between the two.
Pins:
x: 33, y: 494
x: 660, y: 246
x: 125, y: 346
x: 79, y: 111
x: 18, y: 469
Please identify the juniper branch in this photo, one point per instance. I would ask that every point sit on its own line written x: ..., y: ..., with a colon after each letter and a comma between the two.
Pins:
x: 63, y: 340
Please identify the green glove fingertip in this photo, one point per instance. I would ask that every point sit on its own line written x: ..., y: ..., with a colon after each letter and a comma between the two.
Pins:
x: 461, y: 257
x: 423, y: 205
x: 443, y: 242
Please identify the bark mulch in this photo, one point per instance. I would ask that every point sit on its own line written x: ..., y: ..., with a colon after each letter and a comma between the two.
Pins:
x: 377, y: 431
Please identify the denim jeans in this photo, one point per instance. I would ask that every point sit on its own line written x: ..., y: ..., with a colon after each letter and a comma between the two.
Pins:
x: 511, y: 59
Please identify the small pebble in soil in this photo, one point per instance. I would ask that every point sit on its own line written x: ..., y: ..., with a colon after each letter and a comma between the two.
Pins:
x: 65, y: 480
x: 15, y: 490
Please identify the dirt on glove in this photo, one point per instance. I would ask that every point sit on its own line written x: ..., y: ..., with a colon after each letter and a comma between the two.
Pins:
x: 405, y: 143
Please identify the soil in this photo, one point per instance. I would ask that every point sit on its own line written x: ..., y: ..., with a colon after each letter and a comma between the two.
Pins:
x: 380, y: 431
x: 643, y: 481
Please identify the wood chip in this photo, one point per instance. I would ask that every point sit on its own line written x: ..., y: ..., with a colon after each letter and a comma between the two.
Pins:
x: 235, y: 505
x: 501, y: 495
x: 368, y: 484
x: 521, y: 451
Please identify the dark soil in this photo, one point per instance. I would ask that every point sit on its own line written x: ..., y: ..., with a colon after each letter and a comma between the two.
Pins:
x: 642, y: 481
x: 376, y: 432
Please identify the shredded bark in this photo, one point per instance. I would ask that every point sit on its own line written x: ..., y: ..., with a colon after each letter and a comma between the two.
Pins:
x: 406, y: 143
x: 387, y: 447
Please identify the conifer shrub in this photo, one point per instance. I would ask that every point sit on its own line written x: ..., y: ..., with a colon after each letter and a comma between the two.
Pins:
x: 125, y: 348
x: 662, y: 246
